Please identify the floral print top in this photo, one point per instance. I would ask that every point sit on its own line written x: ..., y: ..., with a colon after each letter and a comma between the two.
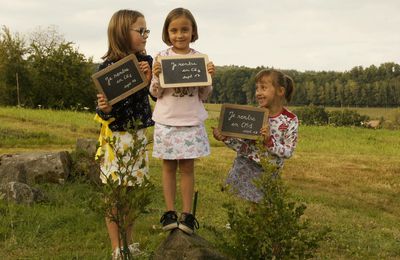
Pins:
x: 280, y: 145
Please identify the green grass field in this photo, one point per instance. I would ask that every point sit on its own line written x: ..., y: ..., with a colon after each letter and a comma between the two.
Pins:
x: 349, y: 179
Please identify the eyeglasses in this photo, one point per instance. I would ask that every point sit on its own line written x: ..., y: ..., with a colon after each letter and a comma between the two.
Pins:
x: 142, y: 31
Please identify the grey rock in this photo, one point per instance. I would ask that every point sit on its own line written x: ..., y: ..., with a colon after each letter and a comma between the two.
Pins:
x: 88, y: 145
x: 53, y: 167
x: 12, y: 172
x: 179, y: 246
x: 21, y: 193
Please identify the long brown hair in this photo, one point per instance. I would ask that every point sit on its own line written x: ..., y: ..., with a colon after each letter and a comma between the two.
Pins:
x: 279, y: 79
x: 178, y: 12
x: 119, y: 40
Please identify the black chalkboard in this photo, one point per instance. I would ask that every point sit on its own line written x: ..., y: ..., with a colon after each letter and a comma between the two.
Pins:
x: 242, y: 121
x: 120, y: 79
x: 184, y: 71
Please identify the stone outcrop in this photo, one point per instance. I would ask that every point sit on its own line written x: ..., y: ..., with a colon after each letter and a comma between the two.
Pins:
x: 32, y: 168
x: 179, y: 246
x: 21, y: 193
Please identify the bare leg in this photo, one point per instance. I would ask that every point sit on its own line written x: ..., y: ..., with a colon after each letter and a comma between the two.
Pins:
x: 186, y: 168
x: 113, y: 233
x: 169, y: 182
x: 112, y: 228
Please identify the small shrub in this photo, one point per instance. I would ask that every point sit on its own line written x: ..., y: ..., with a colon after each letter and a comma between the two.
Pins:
x: 274, y: 228
x: 312, y: 115
x: 123, y: 203
x: 346, y: 118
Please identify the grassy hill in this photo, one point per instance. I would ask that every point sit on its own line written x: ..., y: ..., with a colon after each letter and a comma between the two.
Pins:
x: 348, y: 177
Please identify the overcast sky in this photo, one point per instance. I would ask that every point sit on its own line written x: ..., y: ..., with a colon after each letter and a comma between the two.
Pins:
x: 286, y: 34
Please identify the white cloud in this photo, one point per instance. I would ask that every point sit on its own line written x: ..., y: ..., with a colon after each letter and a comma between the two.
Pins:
x: 288, y: 34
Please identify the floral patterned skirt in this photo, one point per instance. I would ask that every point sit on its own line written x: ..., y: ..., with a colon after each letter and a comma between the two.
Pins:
x: 180, y: 142
x: 109, y: 165
x: 241, y: 176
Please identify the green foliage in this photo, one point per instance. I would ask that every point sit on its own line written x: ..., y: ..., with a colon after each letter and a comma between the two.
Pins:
x: 51, y: 72
x: 124, y: 197
x: 84, y: 166
x: 273, y: 228
x: 346, y: 118
x: 361, y: 87
x: 312, y: 115
x: 12, y: 62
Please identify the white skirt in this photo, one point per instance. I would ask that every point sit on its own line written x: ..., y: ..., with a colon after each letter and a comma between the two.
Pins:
x: 180, y: 142
x: 109, y: 163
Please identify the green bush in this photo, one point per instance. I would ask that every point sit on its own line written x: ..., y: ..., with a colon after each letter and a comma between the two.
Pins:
x: 312, y: 115
x: 125, y: 197
x: 346, y: 118
x: 273, y: 228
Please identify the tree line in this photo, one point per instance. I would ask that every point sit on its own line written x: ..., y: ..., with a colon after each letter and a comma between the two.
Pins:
x: 48, y: 71
x: 44, y: 71
x: 360, y: 87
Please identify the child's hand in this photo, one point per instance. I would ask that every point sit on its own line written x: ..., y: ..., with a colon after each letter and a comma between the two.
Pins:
x: 217, y: 134
x: 156, y: 69
x: 103, y: 104
x: 211, y: 68
x: 145, y: 68
x: 264, y: 131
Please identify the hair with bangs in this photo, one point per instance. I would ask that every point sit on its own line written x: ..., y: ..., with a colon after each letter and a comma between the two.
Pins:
x: 174, y: 14
x: 279, y: 79
x: 119, y: 39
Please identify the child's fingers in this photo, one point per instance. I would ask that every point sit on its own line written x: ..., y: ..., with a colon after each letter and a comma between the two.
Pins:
x: 157, y: 69
x: 144, y: 66
x: 210, y: 68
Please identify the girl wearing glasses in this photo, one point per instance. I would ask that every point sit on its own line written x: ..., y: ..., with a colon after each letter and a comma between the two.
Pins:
x: 127, y: 34
x: 179, y: 132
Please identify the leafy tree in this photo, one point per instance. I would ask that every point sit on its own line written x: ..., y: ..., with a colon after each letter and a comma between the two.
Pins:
x: 13, y: 65
x: 60, y: 74
x: 51, y: 72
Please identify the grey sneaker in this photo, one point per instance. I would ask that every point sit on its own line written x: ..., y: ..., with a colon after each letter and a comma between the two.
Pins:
x: 187, y: 223
x: 169, y: 220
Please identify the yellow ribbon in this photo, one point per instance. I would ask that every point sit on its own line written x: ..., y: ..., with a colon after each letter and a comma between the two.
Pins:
x: 105, y: 132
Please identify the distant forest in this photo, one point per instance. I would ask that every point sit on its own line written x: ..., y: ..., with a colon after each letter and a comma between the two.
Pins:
x: 360, y: 87
x: 47, y: 71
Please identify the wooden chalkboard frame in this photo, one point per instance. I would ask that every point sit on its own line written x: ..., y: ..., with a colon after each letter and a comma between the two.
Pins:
x: 225, y: 107
x: 205, y: 83
x: 130, y: 58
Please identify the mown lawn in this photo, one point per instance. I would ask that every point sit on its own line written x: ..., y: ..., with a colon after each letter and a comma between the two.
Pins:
x: 349, y: 179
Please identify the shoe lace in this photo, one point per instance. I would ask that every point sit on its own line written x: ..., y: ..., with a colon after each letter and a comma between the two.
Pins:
x: 170, y: 214
x: 196, y: 223
x: 191, y: 218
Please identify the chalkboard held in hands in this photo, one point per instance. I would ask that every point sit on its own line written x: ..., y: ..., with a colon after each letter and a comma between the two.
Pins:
x: 184, y: 71
x: 242, y: 121
x: 120, y: 79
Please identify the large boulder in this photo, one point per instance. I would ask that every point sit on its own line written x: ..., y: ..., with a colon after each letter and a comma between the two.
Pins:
x: 179, y: 246
x: 38, y: 167
x: 21, y: 193
x: 12, y: 172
